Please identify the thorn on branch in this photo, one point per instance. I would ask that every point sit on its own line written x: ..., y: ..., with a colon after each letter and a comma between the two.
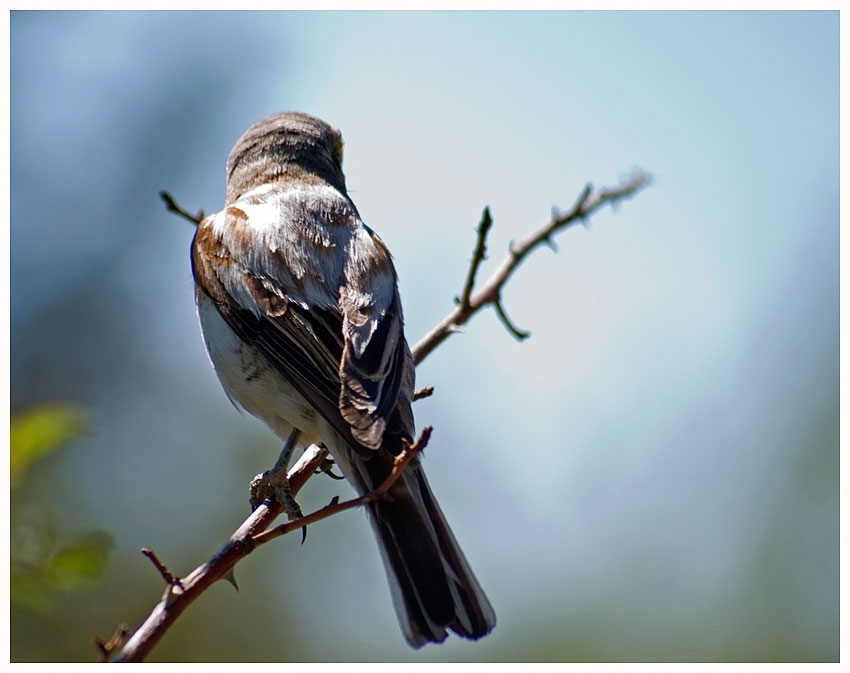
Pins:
x: 230, y: 576
x: 518, y: 334
x: 172, y: 207
x: 583, y: 197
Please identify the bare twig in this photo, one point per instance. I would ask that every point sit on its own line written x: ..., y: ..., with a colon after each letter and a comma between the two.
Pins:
x: 519, y: 335
x: 179, y: 595
x: 166, y: 574
x: 107, y: 648
x: 469, y: 304
x: 478, y: 256
x: 172, y: 206
x: 422, y: 393
x: 254, y: 531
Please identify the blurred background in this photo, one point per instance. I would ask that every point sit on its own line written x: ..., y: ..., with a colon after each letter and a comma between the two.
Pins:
x: 652, y: 476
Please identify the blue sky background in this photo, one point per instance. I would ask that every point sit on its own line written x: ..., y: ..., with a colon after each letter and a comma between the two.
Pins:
x: 652, y: 476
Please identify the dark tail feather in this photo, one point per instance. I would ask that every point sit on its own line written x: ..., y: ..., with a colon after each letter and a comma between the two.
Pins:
x: 432, y: 586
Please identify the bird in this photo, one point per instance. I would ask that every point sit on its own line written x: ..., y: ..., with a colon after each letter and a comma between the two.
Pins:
x: 301, y: 317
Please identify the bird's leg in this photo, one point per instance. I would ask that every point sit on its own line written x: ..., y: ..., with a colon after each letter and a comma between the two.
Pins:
x: 275, y: 484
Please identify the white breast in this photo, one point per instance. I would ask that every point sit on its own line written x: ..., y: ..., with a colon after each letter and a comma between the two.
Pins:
x: 250, y: 381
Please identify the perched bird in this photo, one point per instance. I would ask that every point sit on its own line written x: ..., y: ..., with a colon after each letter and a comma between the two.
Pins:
x: 299, y: 307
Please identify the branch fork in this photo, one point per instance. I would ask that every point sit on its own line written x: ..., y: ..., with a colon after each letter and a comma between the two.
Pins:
x: 255, y: 530
x: 470, y: 302
x: 180, y: 593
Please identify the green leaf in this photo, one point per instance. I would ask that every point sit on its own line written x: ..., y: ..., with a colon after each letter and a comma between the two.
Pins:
x: 81, y: 562
x: 36, y: 579
x: 39, y: 431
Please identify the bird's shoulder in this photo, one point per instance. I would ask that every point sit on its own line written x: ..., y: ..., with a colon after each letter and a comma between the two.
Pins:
x: 303, y: 241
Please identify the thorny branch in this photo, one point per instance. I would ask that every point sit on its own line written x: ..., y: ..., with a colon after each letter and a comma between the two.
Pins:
x: 491, y: 293
x: 180, y: 593
x: 401, y: 461
x: 254, y: 531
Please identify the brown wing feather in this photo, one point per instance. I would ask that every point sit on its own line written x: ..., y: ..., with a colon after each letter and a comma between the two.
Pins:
x: 360, y: 380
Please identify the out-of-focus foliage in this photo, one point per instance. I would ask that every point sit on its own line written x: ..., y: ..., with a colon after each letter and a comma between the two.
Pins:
x: 35, y: 433
x: 41, y: 565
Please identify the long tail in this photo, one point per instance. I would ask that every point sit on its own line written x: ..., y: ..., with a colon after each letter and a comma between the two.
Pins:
x: 432, y: 586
